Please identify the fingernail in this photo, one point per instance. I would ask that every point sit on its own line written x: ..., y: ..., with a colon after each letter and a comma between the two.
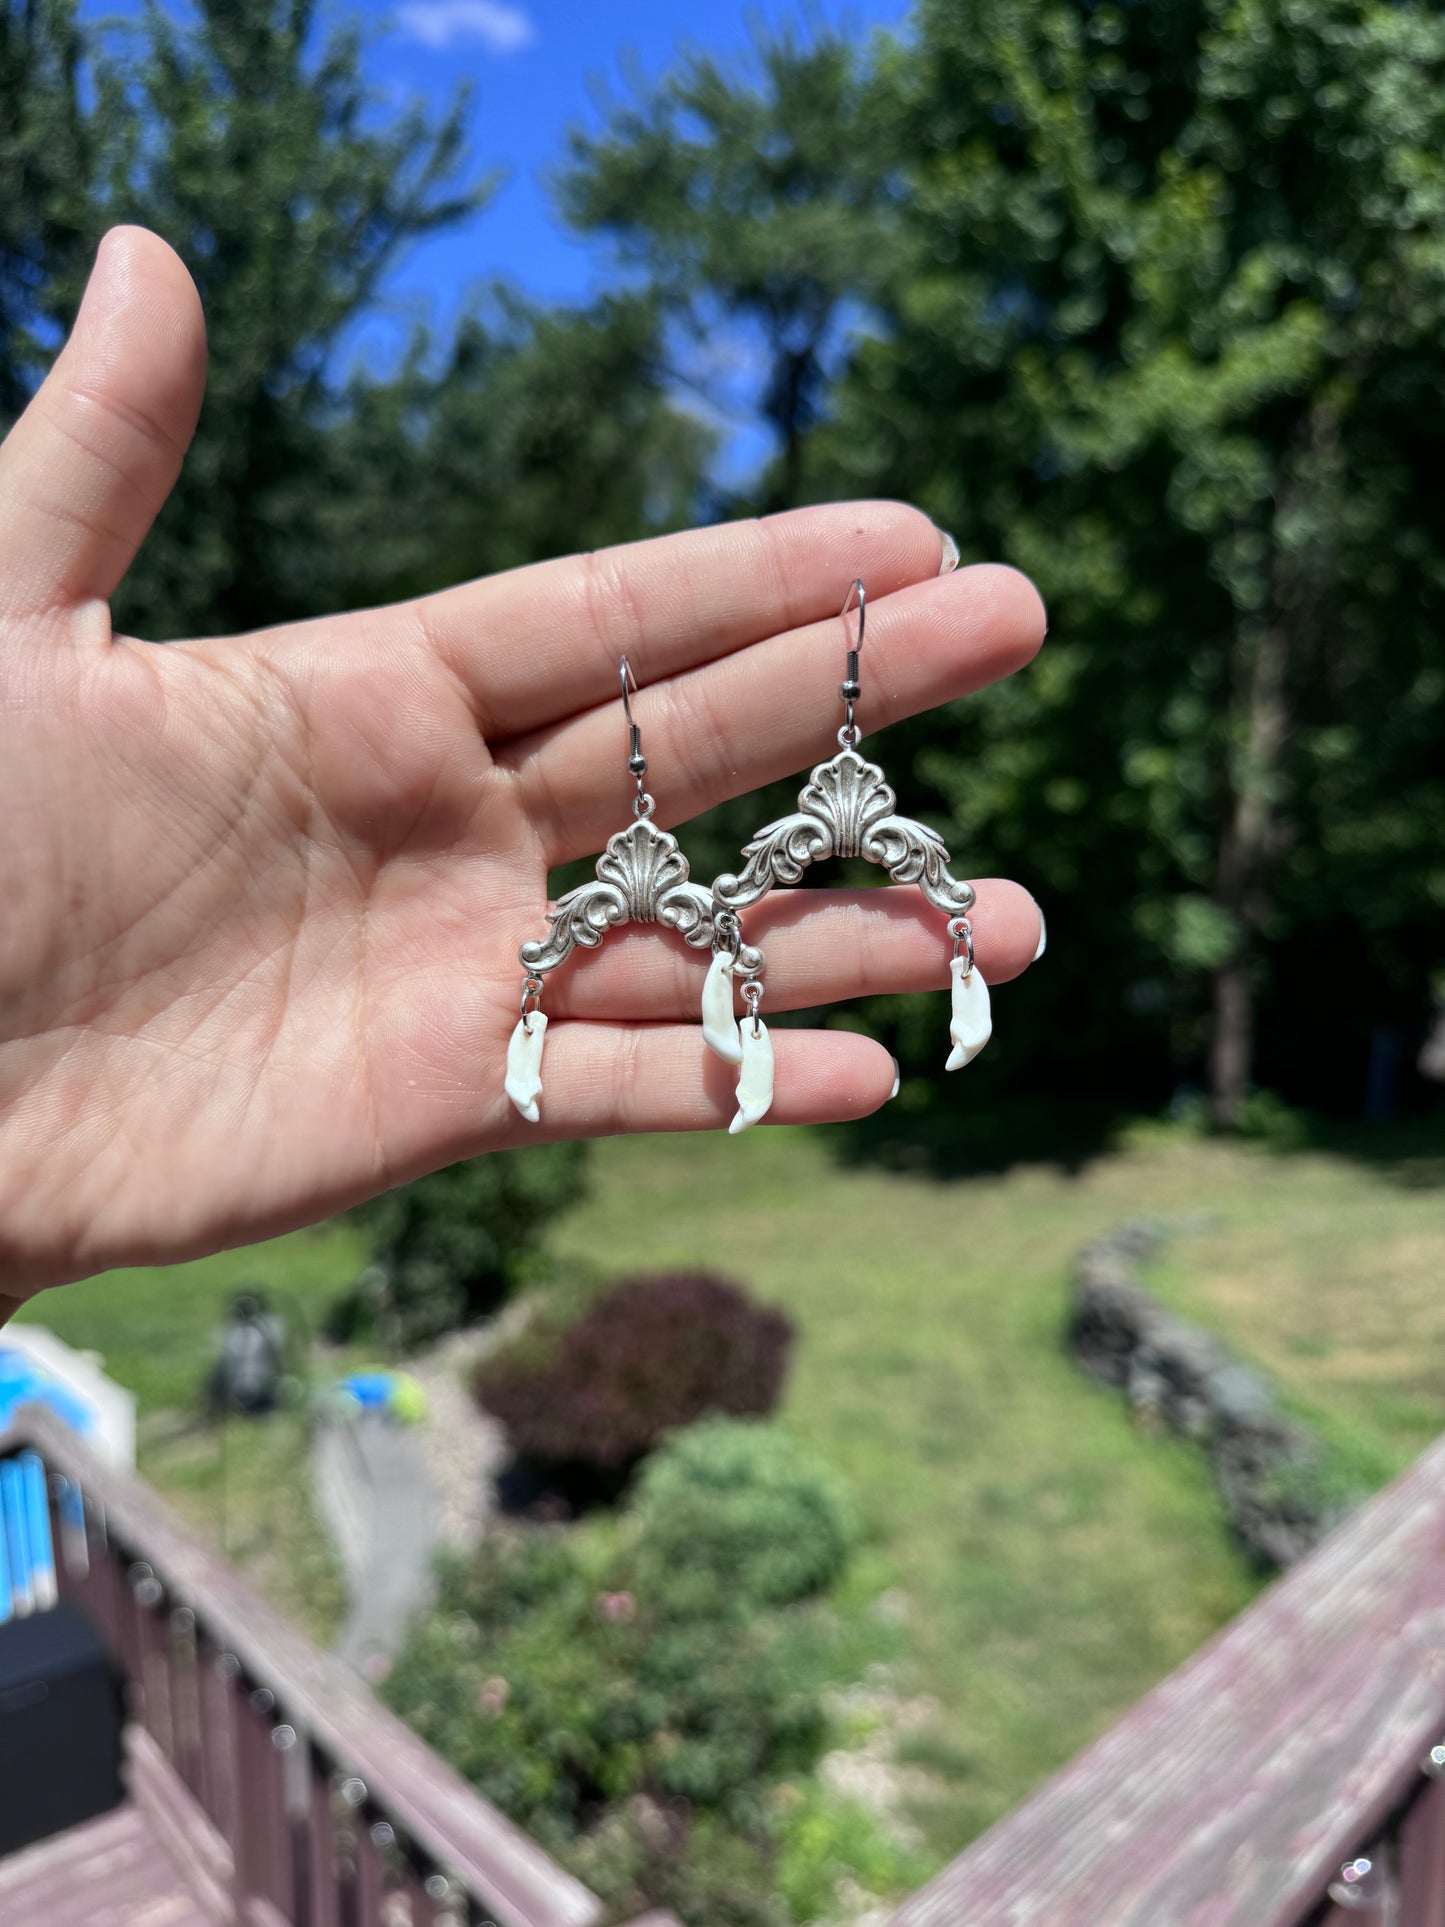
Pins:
x: 897, y: 1079
x: 1043, y: 934
x: 949, y: 561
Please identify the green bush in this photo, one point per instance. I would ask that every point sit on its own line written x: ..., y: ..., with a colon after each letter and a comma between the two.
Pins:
x: 647, y: 1356
x: 449, y: 1248
x: 558, y: 1686
x: 740, y: 1509
x: 634, y: 1720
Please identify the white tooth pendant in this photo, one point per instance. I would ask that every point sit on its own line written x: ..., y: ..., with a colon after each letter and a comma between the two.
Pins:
x: 971, y: 1025
x: 719, y: 1026
x: 524, y: 1064
x: 755, y: 1079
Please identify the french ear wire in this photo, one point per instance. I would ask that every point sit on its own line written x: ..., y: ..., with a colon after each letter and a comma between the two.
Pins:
x: 847, y: 809
x: 641, y: 877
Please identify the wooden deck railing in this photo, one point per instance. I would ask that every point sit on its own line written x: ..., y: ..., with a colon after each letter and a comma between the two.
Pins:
x: 1291, y: 1774
x: 292, y: 1794
x: 1283, y: 1777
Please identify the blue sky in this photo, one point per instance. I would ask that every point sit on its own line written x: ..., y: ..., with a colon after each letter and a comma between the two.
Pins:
x: 535, y: 68
x: 535, y: 65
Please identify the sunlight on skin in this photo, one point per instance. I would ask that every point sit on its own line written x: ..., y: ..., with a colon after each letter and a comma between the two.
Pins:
x: 264, y: 894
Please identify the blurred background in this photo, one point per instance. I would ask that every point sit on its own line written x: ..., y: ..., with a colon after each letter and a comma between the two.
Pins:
x: 1146, y: 300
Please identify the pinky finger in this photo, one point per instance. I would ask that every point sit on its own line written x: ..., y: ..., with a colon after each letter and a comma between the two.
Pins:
x: 604, y: 1080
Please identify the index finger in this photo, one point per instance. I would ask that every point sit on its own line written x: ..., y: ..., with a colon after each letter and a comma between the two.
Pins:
x: 541, y: 643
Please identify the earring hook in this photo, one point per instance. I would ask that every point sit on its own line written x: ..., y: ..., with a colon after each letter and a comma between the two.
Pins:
x: 642, y: 804
x: 855, y: 588
x: 850, y: 689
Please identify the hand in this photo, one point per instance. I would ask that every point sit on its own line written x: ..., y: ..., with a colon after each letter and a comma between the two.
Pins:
x: 262, y: 897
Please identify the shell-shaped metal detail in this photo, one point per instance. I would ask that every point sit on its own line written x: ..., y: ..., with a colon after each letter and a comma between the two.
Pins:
x: 642, y: 877
x: 846, y: 809
x: 850, y: 796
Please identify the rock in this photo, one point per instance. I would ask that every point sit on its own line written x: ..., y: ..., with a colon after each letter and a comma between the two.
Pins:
x: 1175, y: 1374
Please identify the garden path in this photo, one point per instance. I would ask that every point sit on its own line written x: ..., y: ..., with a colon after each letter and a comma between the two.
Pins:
x: 394, y: 1496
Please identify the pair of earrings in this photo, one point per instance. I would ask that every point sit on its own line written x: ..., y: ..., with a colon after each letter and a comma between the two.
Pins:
x: 845, y: 809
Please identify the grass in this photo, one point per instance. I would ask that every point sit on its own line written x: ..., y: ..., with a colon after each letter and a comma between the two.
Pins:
x: 1331, y: 1278
x: 245, y: 1488
x: 1055, y: 1563
x: 156, y: 1328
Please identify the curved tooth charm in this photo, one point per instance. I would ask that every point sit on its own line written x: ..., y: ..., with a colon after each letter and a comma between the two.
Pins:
x: 719, y: 1026
x: 755, y: 1079
x: 971, y: 1026
x: 524, y: 1064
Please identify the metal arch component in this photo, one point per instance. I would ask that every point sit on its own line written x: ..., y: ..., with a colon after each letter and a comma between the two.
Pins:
x: 846, y: 808
x: 642, y: 877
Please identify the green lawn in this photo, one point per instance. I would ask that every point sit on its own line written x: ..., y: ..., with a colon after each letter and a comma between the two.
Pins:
x: 1055, y: 1562
x: 1332, y: 1278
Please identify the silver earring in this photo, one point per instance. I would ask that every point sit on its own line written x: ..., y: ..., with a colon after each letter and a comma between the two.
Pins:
x: 642, y: 877
x: 846, y: 808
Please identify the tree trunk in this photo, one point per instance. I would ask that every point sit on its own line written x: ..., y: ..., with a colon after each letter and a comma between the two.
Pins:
x: 1244, y: 851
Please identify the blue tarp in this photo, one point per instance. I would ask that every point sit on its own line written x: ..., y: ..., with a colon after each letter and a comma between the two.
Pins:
x: 371, y: 1390
x: 27, y: 1556
x: 22, y: 1382
x: 27, y: 1553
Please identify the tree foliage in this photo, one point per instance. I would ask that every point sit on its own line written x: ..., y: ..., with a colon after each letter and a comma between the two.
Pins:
x: 45, y: 163
x: 448, y: 1248
x: 1160, y: 322
x: 251, y: 139
x: 766, y: 208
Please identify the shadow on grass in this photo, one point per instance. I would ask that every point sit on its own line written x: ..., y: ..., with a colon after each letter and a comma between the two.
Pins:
x: 931, y: 1132
x: 1408, y: 1152
x: 928, y: 1134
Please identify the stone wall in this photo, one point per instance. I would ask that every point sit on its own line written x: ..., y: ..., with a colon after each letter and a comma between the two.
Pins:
x: 1270, y: 1468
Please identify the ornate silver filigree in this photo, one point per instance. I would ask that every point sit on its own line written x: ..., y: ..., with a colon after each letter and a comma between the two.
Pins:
x: 846, y: 809
x: 642, y: 877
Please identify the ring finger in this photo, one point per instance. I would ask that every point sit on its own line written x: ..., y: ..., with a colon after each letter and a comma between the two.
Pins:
x: 822, y: 947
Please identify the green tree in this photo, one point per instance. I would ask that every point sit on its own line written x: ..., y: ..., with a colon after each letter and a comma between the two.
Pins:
x: 254, y: 145
x: 448, y: 1248
x: 45, y: 166
x: 536, y: 432
x: 1159, y: 319
x: 1173, y: 341
x: 759, y: 208
x: 250, y: 139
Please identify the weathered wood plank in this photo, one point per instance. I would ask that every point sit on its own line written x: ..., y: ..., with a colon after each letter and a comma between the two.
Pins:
x: 1230, y: 1796
x: 429, y: 1804
x: 1422, y: 1860
x: 177, y: 1819
x: 110, y: 1872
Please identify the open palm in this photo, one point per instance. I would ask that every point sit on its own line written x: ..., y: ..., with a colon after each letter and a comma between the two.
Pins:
x: 260, y: 898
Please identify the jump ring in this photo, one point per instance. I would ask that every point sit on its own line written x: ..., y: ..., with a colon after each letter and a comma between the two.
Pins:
x: 752, y: 997
x: 531, y: 993
x: 961, y: 930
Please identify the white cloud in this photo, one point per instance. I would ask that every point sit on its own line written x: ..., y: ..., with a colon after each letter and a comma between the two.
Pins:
x: 500, y: 27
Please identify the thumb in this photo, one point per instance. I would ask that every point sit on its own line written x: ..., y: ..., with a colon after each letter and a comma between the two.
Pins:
x: 87, y: 466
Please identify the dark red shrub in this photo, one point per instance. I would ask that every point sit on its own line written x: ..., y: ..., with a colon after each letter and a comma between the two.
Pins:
x: 649, y: 1355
